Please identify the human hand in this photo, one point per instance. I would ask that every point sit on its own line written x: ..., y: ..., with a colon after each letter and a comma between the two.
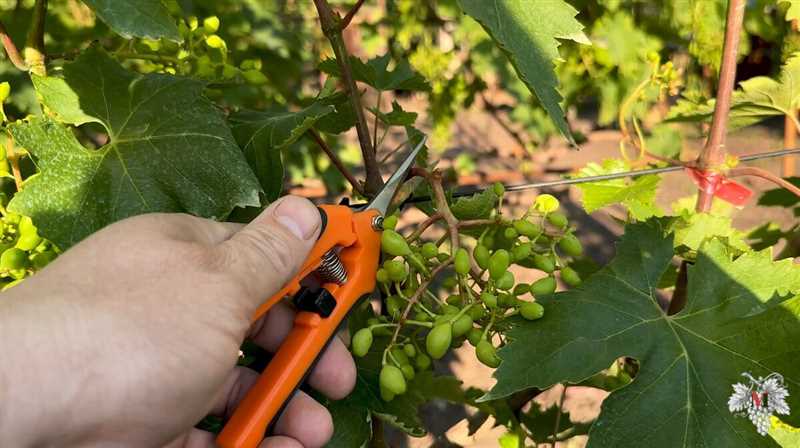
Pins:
x: 131, y: 337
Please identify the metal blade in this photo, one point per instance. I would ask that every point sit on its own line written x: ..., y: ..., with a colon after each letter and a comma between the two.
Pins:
x: 382, y: 201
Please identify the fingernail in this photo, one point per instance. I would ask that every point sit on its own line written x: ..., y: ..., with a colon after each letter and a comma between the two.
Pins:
x: 299, y: 216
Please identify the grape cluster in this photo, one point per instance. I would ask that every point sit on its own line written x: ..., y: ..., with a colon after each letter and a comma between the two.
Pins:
x: 477, y: 294
x: 22, y: 250
x: 202, y: 54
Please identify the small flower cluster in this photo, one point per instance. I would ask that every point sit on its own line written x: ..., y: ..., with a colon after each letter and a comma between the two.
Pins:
x: 759, y: 400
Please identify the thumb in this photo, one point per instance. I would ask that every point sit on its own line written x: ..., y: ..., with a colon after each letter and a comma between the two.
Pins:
x: 269, y: 251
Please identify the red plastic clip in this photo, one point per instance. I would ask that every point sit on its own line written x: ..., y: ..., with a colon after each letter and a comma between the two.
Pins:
x: 720, y: 186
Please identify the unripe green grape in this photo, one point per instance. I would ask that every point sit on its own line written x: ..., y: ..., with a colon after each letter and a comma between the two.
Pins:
x: 546, y: 203
x: 429, y: 250
x: 475, y: 336
x: 362, y: 341
x: 506, y: 282
x: 498, y: 264
x: 13, y: 258
x: 522, y: 251
x: 510, y: 233
x: 396, y: 270
x: 544, y: 263
x: 410, y: 350
x: 450, y: 309
x: 392, y: 379
x: 487, y: 354
x: 5, y: 91
x: 193, y: 23
x: 394, y: 306
x: 521, y: 289
x: 229, y: 71
x: 499, y: 189
x: 408, y: 371
x: 531, y: 310
x: 211, y: 24
x: 399, y: 356
x: 506, y: 300
x: 455, y: 300
x: 461, y: 262
x: 488, y: 240
x: 28, y: 236
x: 254, y: 77
x: 422, y: 316
x: 481, y: 255
x: 570, y: 277
x: 40, y: 260
x: 442, y: 257
x: 543, y: 286
x: 390, y: 222
x: 570, y: 245
x: 490, y: 300
x: 394, y: 244
x: 422, y: 361
x: 417, y: 262
x: 527, y: 228
x: 557, y: 219
x: 255, y: 64
x: 216, y: 42
x: 477, y: 312
x: 382, y: 276
x: 449, y: 282
x: 462, y: 325
x: 386, y: 395
x: 438, y: 340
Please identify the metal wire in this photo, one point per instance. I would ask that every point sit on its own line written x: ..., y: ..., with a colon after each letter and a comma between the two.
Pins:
x: 580, y: 180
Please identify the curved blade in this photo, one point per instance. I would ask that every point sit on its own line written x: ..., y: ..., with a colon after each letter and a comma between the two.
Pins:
x: 382, y: 201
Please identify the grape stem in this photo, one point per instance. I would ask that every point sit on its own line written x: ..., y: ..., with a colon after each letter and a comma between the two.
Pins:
x: 764, y: 174
x: 11, y: 49
x: 336, y: 161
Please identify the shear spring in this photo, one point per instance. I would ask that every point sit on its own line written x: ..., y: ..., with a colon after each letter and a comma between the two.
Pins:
x: 331, y: 269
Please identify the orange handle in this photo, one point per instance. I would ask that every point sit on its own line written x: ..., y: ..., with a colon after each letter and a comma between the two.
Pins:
x: 311, y: 333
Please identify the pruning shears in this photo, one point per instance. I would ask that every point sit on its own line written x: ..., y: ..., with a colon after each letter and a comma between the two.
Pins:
x: 344, y: 260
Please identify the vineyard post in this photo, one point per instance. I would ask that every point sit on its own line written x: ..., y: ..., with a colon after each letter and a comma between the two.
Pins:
x: 332, y: 27
x: 713, y: 154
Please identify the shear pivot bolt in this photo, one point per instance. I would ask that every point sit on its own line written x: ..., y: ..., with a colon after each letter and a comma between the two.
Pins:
x: 377, y: 223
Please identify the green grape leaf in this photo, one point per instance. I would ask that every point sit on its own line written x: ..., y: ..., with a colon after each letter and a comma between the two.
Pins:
x: 397, y: 117
x: 741, y: 316
x: 758, y: 99
x: 137, y: 18
x: 541, y: 423
x: 781, y: 197
x: 169, y: 150
x: 262, y: 135
x: 692, y: 230
x: 376, y: 73
x: 477, y: 206
x: 708, y: 18
x: 637, y: 195
x: 352, y: 423
x: 792, y: 9
x: 528, y: 33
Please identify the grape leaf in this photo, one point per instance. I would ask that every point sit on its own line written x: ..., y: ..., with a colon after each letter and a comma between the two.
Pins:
x: 792, y: 10
x: 708, y: 18
x: 262, y: 136
x: 781, y: 197
x: 758, y: 99
x: 376, y: 73
x: 692, y: 230
x: 742, y: 316
x: 137, y: 18
x: 352, y: 423
x: 527, y: 32
x: 637, y: 195
x: 397, y: 117
x: 169, y: 150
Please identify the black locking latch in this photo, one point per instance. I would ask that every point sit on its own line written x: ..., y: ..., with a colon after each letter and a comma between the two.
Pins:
x: 320, y: 301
